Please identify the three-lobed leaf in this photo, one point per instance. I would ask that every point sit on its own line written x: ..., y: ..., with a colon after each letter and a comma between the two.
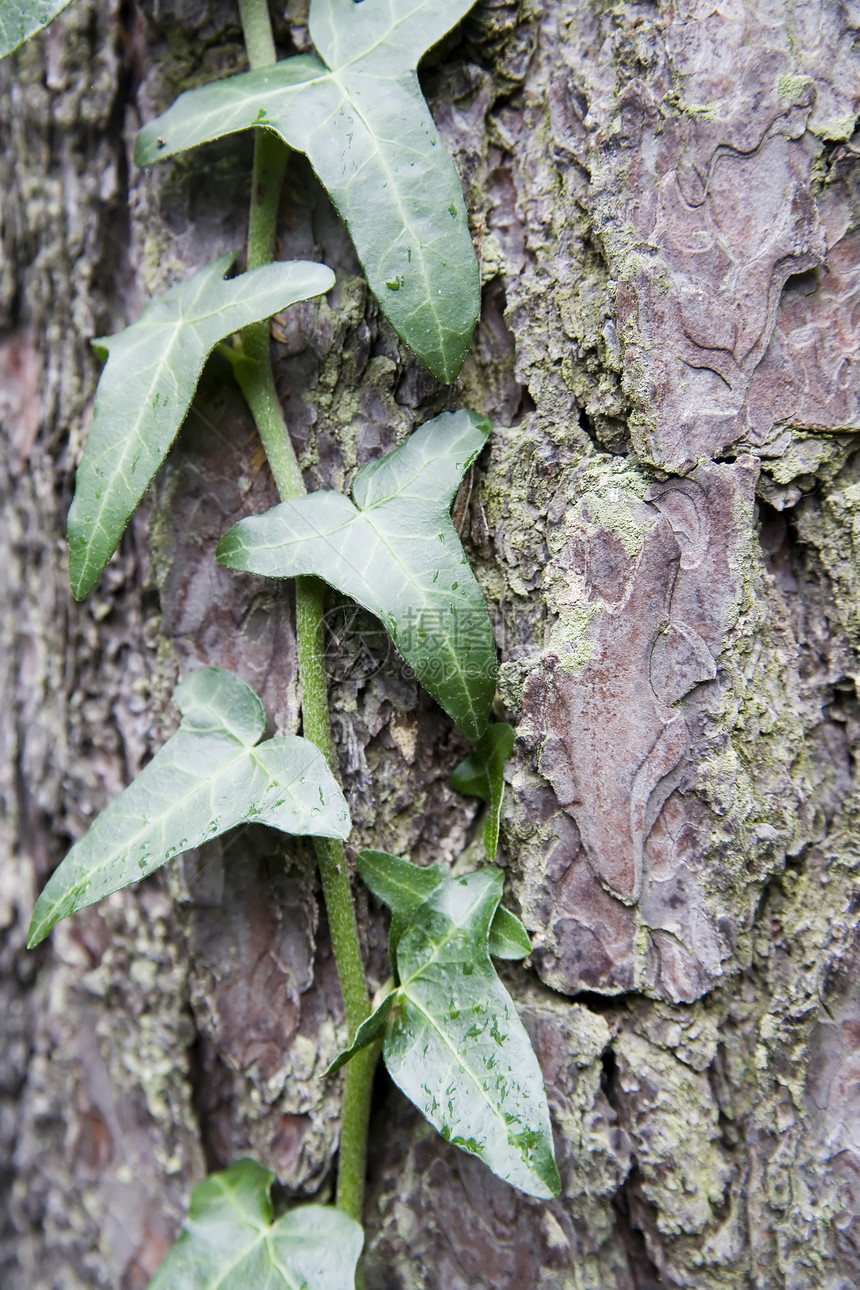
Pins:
x: 210, y: 776
x: 231, y: 1242
x: 482, y: 774
x: 21, y: 19
x: 453, y: 1041
x: 456, y: 1046
x: 147, y: 385
x: 358, y: 113
x: 394, y: 550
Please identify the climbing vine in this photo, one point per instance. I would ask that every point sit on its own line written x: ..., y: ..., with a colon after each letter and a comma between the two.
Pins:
x: 446, y: 1028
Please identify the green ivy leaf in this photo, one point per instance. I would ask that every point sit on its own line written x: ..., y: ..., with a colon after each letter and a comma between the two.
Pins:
x: 21, y: 19
x: 482, y: 774
x: 403, y: 886
x: 456, y: 1046
x: 359, y: 114
x: 231, y: 1243
x: 210, y: 776
x: 145, y: 389
x: 395, y: 551
x: 453, y: 1040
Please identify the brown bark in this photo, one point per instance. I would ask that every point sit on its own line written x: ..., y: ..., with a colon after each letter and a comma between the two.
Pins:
x: 665, y: 210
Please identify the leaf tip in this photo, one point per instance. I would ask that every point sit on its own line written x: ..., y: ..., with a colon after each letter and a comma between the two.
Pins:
x: 552, y: 1180
x: 39, y: 927
x: 474, y: 726
x: 445, y: 367
x: 328, y: 275
x: 81, y: 582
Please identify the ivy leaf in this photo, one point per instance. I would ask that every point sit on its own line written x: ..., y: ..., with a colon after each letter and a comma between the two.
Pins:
x: 403, y: 887
x: 145, y: 389
x: 21, y: 19
x: 508, y: 939
x: 358, y: 113
x: 455, y: 1045
x: 210, y: 776
x: 453, y: 1041
x: 395, y: 551
x: 482, y: 774
x: 230, y: 1240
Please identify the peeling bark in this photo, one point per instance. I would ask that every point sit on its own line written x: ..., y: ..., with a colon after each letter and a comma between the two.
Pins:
x: 665, y: 208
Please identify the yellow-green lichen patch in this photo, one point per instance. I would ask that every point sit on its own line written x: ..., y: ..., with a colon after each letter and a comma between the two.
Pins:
x: 613, y: 507
x: 829, y: 522
x: 669, y: 1109
x: 807, y: 456
x: 793, y: 86
x: 835, y: 131
x: 575, y: 653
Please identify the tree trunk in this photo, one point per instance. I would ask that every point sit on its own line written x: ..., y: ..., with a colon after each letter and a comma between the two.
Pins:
x: 665, y: 207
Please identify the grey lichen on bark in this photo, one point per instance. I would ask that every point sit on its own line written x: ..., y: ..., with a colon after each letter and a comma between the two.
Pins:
x: 664, y: 208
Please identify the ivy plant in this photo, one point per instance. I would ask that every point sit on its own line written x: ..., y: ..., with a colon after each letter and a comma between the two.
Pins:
x: 404, y: 886
x: 358, y: 112
x: 448, y: 1030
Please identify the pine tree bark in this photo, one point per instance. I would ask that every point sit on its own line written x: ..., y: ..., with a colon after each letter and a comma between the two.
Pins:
x: 665, y: 208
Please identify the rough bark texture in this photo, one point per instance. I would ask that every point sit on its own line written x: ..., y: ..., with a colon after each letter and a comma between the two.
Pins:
x: 665, y: 207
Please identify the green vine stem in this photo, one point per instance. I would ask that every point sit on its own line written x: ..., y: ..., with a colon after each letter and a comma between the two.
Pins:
x: 254, y: 373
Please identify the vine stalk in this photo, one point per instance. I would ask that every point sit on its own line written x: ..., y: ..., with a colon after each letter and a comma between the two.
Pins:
x: 254, y: 373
